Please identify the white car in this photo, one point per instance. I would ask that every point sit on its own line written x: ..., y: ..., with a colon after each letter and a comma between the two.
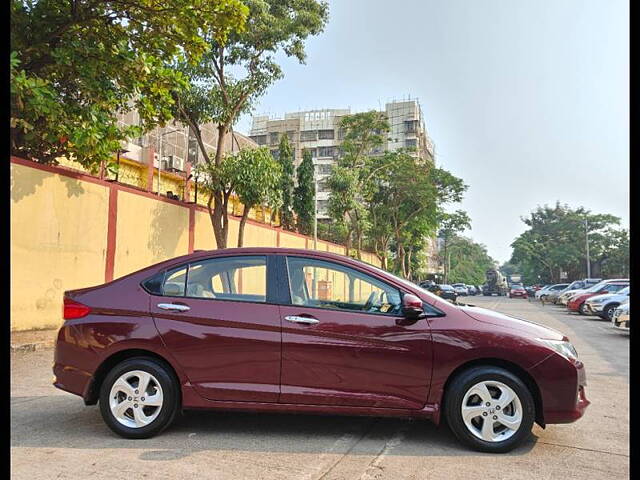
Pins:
x: 542, y: 290
x: 552, y: 288
x: 604, y: 305
x: 460, y: 288
x: 621, y: 318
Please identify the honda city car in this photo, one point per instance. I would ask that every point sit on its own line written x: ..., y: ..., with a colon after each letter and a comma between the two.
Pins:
x: 277, y: 329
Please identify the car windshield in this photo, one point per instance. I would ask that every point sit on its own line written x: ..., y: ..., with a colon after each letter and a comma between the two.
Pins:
x: 446, y: 287
x: 596, y: 287
x: 517, y: 287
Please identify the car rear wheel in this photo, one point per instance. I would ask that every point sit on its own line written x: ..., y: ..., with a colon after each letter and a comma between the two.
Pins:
x: 582, y: 309
x: 489, y: 409
x: 139, y: 398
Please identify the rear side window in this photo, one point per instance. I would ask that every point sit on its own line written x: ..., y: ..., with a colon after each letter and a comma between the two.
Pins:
x: 174, y: 282
x: 241, y: 278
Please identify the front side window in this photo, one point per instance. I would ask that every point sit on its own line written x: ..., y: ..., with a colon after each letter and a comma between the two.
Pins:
x: 316, y: 283
x: 613, y: 287
x: 229, y: 278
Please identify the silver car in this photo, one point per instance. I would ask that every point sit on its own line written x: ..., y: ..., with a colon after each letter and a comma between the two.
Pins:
x: 604, y: 305
x: 621, y: 316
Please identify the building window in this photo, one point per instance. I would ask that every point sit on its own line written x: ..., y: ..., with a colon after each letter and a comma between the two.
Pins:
x: 259, y: 139
x: 273, y: 137
x: 411, y: 126
x: 323, y: 205
x: 326, y: 151
x: 314, y: 152
x: 308, y: 135
x: 324, y: 168
x: 341, y: 133
x: 326, y: 134
x: 411, y: 143
x: 291, y: 135
x: 275, y: 153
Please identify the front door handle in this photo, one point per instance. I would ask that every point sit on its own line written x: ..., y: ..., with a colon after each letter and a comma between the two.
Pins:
x: 174, y: 307
x: 302, y: 320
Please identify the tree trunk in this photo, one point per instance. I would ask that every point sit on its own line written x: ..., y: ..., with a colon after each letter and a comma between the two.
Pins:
x: 219, y: 216
x: 243, y: 222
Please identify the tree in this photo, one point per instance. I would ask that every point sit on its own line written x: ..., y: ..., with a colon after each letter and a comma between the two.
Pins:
x: 555, y: 242
x: 364, y: 135
x: 304, y: 200
x: 450, y: 225
x: 75, y: 64
x: 257, y: 182
x: 469, y: 261
x: 287, y: 184
x: 238, y: 70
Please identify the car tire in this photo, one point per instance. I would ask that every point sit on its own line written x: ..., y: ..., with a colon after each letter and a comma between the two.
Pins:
x: 607, y: 311
x: 582, y: 309
x: 470, y: 431
x: 145, y: 418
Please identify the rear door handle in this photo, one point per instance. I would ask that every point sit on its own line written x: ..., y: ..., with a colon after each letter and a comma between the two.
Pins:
x: 174, y: 307
x: 302, y: 320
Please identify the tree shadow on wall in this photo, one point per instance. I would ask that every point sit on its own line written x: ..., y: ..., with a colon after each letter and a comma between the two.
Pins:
x: 168, y: 224
x: 25, y: 182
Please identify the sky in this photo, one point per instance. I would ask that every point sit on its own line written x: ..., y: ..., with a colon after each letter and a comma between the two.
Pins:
x: 526, y: 100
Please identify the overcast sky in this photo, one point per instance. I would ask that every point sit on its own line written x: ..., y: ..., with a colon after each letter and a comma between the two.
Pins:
x: 526, y: 100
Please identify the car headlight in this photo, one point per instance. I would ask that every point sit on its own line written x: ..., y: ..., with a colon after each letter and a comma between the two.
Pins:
x: 566, y: 349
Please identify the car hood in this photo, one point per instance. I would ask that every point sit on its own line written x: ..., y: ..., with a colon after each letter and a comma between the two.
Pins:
x: 529, y: 329
x: 571, y: 292
x: 606, y: 297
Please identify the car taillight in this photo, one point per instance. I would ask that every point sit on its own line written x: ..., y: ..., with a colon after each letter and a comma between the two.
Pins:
x: 73, y: 309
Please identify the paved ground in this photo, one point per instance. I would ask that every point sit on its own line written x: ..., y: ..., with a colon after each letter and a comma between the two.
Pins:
x: 53, y: 435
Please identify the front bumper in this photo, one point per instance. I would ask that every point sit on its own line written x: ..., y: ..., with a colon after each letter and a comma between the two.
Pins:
x: 562, y: 385
x: 595, y: 308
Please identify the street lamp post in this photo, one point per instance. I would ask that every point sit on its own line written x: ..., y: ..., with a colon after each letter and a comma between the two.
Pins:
x: 315, y: 214
x: 586, y: 236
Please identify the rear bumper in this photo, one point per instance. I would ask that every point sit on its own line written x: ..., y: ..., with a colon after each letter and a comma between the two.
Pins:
x: 68, y: 356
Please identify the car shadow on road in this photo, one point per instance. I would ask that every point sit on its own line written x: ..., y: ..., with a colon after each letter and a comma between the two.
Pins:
x: 61, y: 422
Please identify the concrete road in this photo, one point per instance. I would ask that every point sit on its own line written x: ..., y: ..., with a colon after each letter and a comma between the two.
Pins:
x: 53, y: 435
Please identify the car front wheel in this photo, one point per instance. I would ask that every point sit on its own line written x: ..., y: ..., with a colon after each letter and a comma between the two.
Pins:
x: 489, y: 409
x: 607, y: 312
x: 139, y: 398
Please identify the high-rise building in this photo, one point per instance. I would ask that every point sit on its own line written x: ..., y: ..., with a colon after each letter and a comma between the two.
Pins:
x: 319, y: 132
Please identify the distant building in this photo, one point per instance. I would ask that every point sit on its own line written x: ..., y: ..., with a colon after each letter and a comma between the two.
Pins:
x: 319, y: 131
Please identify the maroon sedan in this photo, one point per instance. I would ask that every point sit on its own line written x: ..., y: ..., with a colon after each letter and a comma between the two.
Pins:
x: 271, y: 329
x: 517, y: 291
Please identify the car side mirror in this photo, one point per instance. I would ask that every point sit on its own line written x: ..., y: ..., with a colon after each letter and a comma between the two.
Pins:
x: 412, y: 307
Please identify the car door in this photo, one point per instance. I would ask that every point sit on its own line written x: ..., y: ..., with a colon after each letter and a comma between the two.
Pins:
x: 345, y: 342
x: 214, y: 317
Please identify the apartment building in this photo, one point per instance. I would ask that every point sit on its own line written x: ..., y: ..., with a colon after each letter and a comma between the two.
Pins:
x: 319, y: 132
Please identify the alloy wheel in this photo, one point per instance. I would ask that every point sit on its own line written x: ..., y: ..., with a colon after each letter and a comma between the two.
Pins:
x: 491, y: 411
x: 136, y: 399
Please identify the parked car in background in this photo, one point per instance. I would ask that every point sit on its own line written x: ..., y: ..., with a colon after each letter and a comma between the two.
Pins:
x: 531, y: 290
x: 604, y: 305
x: 472, y: 290
x: 243, y: 329
x: 517, y: 291
x: 576, y: 302
x: 445, y: 291
x: 541, y: 290
x: 461, y: 289
x: 576, y: 286
x: 620, y: 317
x: 544, y: 296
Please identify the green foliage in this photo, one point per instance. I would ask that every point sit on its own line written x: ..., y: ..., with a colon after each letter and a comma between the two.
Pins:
x: 287, y: 184
x: 555, y: 242
x: 257, y: 181
x: 304, y: 195
x: 469, y: 261
x: 76, y: 64
x: 236, y: 71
